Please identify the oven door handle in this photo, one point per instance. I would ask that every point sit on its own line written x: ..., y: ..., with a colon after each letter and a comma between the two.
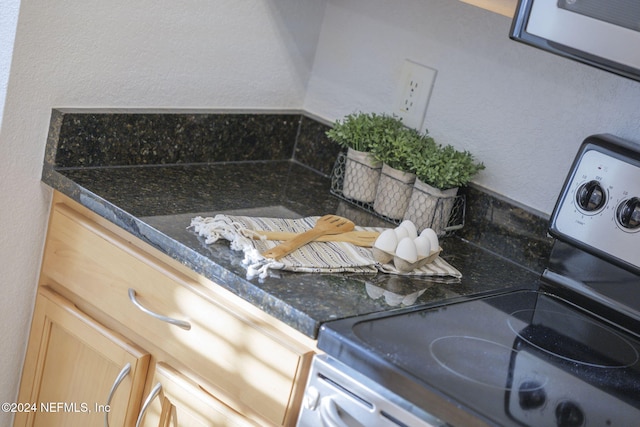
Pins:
x: 329, y: 413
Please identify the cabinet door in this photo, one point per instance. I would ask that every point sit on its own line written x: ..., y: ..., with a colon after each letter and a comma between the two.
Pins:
x: 176, y: 401
x: 77, y: 372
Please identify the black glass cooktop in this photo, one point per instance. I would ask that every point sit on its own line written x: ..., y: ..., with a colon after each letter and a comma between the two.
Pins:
x: 521, y: 358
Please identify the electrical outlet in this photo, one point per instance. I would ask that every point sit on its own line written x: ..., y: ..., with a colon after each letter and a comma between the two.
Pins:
x: 413, y: 93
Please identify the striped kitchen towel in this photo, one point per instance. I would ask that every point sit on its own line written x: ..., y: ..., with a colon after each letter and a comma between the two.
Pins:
x: 315, y: 257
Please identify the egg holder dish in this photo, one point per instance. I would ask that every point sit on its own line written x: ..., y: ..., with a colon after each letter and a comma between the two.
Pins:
x: 401, y: 264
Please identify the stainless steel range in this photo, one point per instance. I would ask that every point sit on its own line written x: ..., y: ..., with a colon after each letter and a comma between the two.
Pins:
x: 564, y: 354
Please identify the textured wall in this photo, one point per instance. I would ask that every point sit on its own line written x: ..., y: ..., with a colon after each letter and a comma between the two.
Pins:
x: 8, y: 22
x: 522, y: 111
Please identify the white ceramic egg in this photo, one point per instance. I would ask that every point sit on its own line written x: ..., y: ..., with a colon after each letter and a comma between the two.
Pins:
x: 406, y: 250
x: 386, y: 241
x: 410, y: 227
x: 433, y: 238
x: 423, y: 246
x: 401, y: 233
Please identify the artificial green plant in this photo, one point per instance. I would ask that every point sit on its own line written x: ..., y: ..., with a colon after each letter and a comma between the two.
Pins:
x: 444, y: 167
x: 360, y: 131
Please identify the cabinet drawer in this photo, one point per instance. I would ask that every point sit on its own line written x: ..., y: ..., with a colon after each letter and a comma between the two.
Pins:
x: 251, y: 366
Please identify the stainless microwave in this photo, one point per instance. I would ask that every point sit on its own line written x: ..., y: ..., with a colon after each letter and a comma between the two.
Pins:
x: 601, y: 33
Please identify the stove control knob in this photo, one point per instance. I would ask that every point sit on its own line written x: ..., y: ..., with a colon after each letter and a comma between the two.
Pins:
x: 628, y: 213
x: 590, y: 196
x: 569, y: 414
x: 531, y: 395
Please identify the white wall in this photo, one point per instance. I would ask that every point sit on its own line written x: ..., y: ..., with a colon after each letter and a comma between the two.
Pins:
x: 13, y: 319
x: 523, y: 112
x: 8, y: 22
x: 174, y: 54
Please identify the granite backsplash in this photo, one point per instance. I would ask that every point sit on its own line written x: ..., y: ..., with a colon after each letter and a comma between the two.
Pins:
x: 93, y: 139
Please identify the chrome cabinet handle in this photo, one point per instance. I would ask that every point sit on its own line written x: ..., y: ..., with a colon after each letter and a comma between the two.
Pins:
x: 121, y: 376
x: 179, y: 323
x: 152, y: 395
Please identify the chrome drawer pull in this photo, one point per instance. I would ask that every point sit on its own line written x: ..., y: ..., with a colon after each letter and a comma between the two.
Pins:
x: 152, y: 395
x: 121, y: 376
x: 179, y: 323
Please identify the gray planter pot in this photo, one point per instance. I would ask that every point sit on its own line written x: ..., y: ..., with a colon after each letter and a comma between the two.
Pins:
x: 361, y: 175
x: 394, y: 192
x: 430, y: 207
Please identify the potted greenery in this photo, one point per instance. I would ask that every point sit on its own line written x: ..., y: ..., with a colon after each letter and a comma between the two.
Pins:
x: 439, y: 174
x: 394, y: 150
x: 357, y: 133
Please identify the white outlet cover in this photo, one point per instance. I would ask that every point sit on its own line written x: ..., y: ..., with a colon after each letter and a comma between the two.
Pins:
x: 413, y: 93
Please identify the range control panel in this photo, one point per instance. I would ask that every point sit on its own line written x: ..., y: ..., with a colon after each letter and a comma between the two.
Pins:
x: 599, y: 208
x: 543, y: 394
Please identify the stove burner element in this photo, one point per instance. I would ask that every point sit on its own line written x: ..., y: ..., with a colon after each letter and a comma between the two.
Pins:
x: 478, y: 360
x: 573, y: 338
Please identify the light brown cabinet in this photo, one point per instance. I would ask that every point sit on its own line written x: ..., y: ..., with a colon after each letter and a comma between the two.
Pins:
x: 218, y: 359
x: 174, y: 400
x: 503, y: 7
x: 77, y: 372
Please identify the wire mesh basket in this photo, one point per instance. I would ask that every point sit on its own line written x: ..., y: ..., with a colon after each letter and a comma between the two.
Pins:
x: 443, y: 214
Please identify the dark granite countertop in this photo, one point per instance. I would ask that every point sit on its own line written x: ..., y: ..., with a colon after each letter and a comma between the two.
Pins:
x: 156, y: 202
